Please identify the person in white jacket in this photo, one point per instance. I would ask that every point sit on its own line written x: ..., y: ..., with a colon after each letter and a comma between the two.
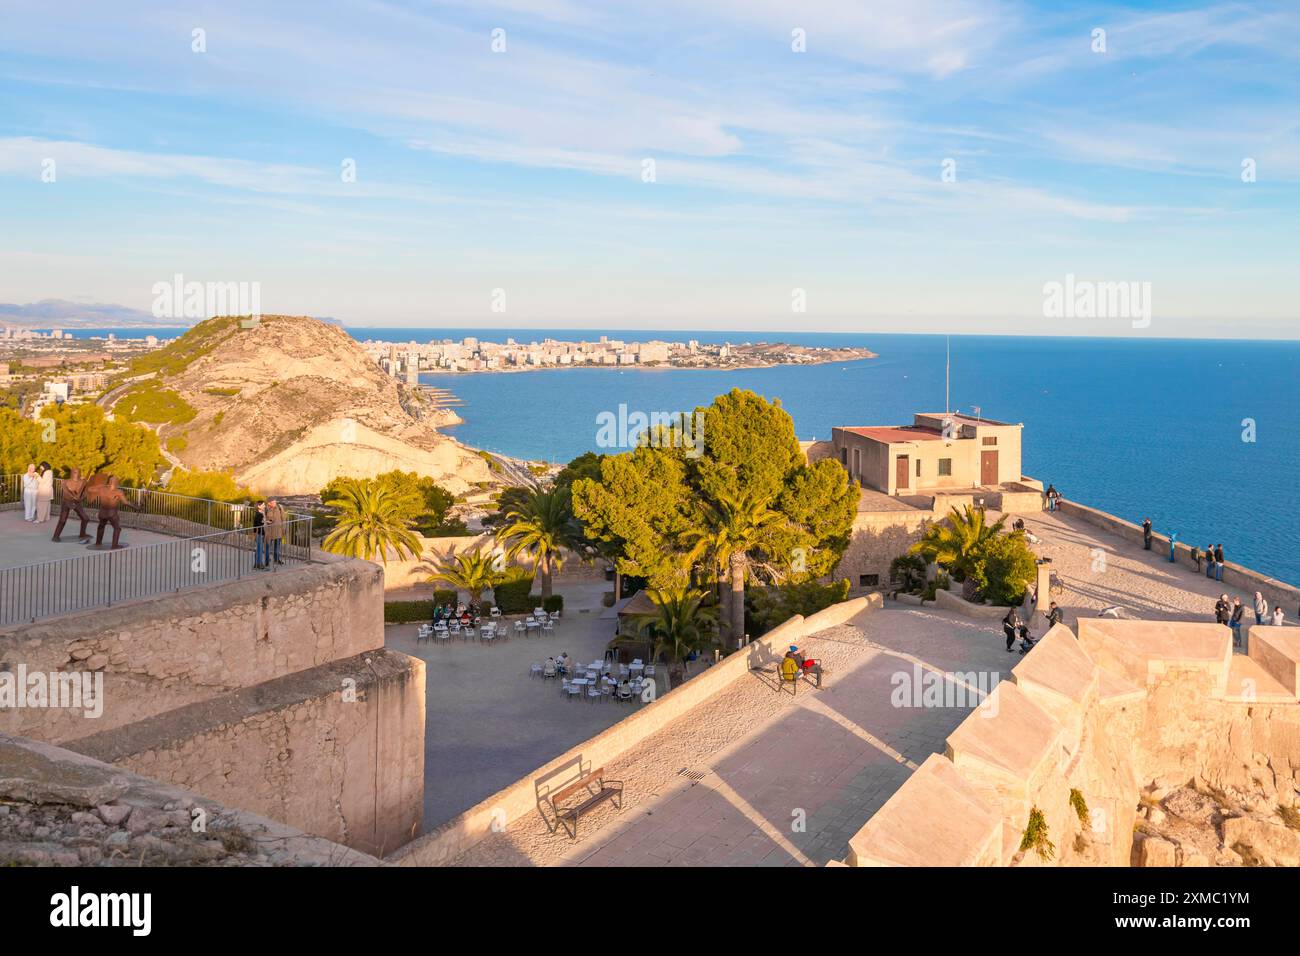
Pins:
x: 30, y: 481
x: 44, y: 493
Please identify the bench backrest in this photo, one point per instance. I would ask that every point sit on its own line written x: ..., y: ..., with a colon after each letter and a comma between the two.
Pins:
x: 582, y: 783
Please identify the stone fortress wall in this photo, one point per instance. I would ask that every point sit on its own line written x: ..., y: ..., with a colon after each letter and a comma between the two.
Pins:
x: 273, y: 694
x: 1125, y: 704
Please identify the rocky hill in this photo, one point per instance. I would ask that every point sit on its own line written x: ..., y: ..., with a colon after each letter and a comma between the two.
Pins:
x: 288, y: 405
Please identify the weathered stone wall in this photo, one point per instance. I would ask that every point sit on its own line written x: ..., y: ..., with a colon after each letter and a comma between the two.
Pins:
x: 878, y: 538
x: 1126, y: 705
x: 166, y: 652
x: 96, y: 814
x: 336, y: 751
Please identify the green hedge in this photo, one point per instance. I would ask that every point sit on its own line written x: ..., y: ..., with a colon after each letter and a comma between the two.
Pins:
x: 553, y: 603
x: 407, y: 612
x: 444, y: 596
x: 513, y: 596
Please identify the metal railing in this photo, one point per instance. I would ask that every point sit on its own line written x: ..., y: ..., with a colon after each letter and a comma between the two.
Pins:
x: 198, y: 556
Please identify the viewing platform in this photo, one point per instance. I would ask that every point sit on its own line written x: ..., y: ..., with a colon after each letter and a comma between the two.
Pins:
x: 171, y: 543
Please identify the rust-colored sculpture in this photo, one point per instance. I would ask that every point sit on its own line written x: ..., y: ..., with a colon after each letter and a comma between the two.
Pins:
x: 103, y: 493
x: 73, y: 488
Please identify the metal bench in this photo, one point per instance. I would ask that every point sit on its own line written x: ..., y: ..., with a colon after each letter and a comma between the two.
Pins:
x: 594, y: 790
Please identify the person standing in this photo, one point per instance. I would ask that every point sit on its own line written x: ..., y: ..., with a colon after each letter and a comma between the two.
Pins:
x: 1261, y: 608
x: 1196, y: 558
x: 1278, y: 616
x: 1209, y: 560
x: 1234, y: 620
x: 1146, y: 534
x: 1010, y: 627
x: 1222, y: 610
x: 44, y: 493
x: 1218, y: 562
x: 1173, y: 549
x: 30, y: 482
x: 274, y: 530
x: 259, y: 537
x: 1055, y: 616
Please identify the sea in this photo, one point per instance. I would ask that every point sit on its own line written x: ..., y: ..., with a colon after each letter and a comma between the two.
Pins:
x: 1202, y: 436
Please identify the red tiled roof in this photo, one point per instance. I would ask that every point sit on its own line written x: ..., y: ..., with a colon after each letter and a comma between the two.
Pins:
x: 889, y: 435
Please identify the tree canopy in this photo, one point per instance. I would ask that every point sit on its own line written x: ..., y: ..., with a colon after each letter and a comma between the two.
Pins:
x: 747, y: 505
x: 79, y: 436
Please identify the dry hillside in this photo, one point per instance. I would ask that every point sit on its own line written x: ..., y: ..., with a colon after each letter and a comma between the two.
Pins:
x: 288, y: 406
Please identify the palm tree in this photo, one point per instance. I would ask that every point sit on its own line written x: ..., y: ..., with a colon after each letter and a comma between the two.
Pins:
x: 736, y: 527
x: 681, y: 623
x: 540, y: 527
x: 959, y: 542
x: 473, y: 571
x: 372, y: 521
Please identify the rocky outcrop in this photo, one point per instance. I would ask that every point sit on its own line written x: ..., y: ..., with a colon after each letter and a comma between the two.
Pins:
x: 293, y: 403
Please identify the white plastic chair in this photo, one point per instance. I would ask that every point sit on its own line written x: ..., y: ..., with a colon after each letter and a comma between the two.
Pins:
x: 548, y: 670
x: 535, y: 669
x: 593, y: 693
x: 495, y: 612
x: 574, y: 690
x: 548, y: 625
x: 519, y: 627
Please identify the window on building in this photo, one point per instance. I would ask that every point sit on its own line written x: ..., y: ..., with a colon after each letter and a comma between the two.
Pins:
x: 945, y: 466
x: 918, y: 468
x: 990, y: 441
x: 868, y: 580
x: 844, y: 458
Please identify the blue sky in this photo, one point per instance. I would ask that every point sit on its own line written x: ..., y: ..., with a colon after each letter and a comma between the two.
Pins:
x: 775, y: 170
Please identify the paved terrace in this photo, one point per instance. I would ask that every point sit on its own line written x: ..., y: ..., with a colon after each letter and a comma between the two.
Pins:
x: 728, y: 783
x: 23, y: 543
x: 43, y: 578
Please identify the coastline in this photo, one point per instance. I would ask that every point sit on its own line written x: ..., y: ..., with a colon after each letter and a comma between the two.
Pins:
x: 658, y: 367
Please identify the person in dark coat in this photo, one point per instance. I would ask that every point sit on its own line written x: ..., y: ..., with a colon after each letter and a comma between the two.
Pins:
x: 1010, y: 627
x: 1146, y: 534
x: 260, y: 560
x: 1055, y: 616
x: 1234, y: 621
x: 1218, y: 562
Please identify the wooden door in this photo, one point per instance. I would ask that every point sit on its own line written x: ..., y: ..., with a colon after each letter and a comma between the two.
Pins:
x: 988, y: 468
x: 902, y: 473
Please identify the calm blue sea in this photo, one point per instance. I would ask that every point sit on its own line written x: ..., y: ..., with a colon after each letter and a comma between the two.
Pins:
x: 1134, y: 427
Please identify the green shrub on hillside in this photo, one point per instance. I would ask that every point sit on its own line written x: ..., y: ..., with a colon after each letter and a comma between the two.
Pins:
x: 150, y: 402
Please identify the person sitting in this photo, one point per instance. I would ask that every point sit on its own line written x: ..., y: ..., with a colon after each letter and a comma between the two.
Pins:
x: 808, y: 668
x: 1026, y: 642
x: 1278, y: 616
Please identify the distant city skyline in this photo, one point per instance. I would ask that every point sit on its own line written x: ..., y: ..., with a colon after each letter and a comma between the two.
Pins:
x: 928, y: 166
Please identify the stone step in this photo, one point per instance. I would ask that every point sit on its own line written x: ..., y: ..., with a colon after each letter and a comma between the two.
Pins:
x: 1250, y: 683
x: 1277, y: 649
